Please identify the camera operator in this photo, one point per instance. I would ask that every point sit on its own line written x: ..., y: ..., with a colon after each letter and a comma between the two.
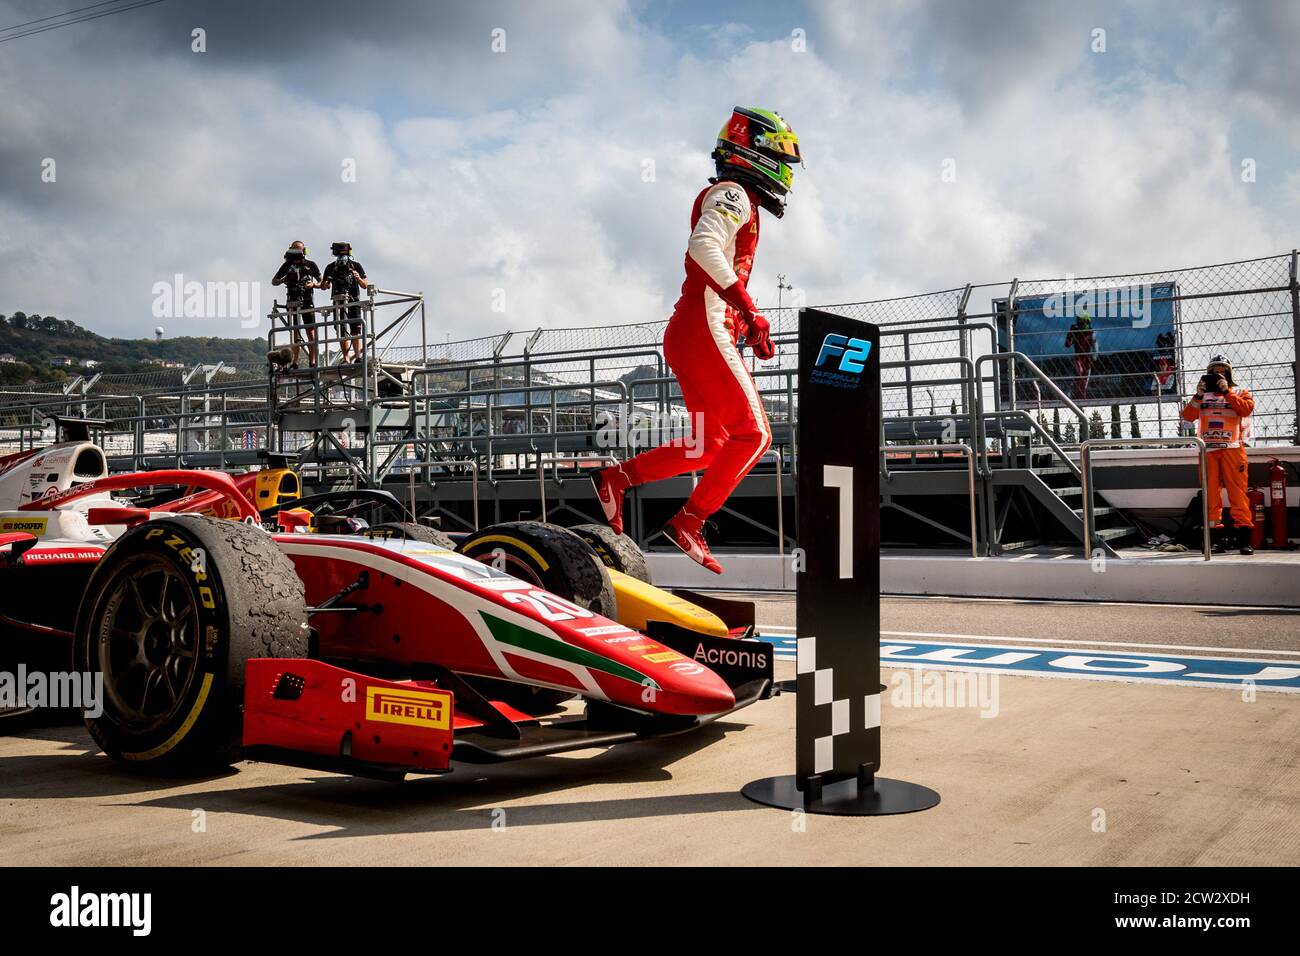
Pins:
x: 299, y: 275
x: 1222, y: 412
x: 346, y: 278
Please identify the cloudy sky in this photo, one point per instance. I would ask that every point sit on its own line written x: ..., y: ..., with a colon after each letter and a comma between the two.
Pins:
x: 560, y: 169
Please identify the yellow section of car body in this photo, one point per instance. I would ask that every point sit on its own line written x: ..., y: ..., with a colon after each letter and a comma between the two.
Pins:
x: 276, y: 486
x: 34, y: 526
x: 639, y: 603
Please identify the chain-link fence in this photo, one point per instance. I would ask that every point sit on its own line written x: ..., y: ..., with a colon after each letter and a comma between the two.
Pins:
x: 153, y: 412
x: 1127, y: 349
x: 1141, y: 343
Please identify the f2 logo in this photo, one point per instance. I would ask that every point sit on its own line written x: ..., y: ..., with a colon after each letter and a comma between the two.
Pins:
x: 852, y: 352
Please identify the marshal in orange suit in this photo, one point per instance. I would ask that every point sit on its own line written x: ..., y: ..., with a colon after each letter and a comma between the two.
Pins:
x: 1222, y: 412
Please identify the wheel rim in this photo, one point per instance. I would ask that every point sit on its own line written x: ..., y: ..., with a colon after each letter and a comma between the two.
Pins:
x: 147, y: 648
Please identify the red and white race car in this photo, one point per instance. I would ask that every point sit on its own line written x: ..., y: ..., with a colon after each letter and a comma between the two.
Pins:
x: 391, y: 651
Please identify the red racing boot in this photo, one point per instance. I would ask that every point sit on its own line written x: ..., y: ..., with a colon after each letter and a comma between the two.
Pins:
x: 687, y: 532
x: 611, y: 485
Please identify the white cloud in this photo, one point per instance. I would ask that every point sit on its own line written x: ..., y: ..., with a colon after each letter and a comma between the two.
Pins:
x: 525, y: 173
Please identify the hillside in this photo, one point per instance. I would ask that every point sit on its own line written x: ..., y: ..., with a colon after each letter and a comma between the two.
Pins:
x: 34, y: 339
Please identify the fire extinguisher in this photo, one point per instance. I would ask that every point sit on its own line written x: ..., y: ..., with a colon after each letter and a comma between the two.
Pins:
x: 1277, y: 491
x: 1256, y: 497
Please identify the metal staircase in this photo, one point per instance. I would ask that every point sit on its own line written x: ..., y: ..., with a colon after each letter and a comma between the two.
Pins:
x: 1032, y: 464
x: 1056, y: 489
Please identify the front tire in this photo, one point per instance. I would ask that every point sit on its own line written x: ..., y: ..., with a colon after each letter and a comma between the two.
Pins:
x: 171, y: 613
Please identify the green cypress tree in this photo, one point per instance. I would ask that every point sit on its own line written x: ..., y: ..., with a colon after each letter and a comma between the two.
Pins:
x: 1096, y: 427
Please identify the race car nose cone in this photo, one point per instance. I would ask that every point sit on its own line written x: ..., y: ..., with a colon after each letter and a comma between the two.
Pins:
x: 690, y: 688
x: 665, y: 682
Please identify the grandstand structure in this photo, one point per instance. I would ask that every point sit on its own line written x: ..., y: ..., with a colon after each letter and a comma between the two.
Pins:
x: 984, y: 406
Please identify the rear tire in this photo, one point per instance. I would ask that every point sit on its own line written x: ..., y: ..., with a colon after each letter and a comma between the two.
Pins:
x: 553, y: 558
x: 556, y: 560
x: 616, y: 551
x: 170, y: 615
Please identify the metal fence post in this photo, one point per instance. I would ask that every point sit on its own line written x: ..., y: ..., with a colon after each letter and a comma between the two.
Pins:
x: 963, y: 343
x: 1295, y: 358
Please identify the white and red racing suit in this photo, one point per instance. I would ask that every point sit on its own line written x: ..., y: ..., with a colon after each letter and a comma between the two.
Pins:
x: 700, y: 346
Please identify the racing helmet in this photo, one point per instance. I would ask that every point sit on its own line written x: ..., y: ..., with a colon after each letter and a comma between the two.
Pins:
x: 757, y: 148
x: 1220, y: 365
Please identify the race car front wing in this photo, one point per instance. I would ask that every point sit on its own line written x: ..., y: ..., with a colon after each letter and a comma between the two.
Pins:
x: 309, y: 713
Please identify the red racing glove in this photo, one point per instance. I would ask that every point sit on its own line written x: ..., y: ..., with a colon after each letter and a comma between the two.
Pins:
x: 750, y: 325
x: 759, y: 337
x: 740, y: 327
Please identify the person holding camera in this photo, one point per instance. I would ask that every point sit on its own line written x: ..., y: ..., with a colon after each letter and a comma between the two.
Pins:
x: 1222, y: 412
x: 346, y: 278
x: 299, y: 275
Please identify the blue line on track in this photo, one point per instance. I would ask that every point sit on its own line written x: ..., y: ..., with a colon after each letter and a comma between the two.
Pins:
x: 1088, y: 663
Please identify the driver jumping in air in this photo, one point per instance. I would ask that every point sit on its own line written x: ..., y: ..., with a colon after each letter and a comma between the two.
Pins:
x: 754, y: 157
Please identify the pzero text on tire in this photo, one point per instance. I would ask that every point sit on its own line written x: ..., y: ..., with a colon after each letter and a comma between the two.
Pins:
x: 169, y: 616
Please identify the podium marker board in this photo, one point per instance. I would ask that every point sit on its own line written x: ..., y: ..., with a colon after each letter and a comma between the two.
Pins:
x: 837, y: 618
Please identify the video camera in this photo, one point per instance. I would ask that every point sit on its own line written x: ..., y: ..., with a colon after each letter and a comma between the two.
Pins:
x: 343, y: 276
x: 298, y: 276
x: 299, y: 283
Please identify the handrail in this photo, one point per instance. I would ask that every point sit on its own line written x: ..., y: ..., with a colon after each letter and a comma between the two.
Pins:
x: 1038, y: 373
x: 576, y: 460
x: 1085, y: 474
x: 1034, y: 426
x: 462, y: 403
x: 613, y: 385
x: 472, y: 463
x: 969, y: 454
x: 967, y: 366
x: 532, y: 361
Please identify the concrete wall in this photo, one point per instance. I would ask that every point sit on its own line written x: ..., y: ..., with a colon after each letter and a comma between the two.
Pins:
x: 1230, y: 579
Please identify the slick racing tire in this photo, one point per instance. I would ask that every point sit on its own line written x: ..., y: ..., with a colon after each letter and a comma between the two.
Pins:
x: 556, y: 560
x: 553, y: 558
x: 170, y: 615
x: 413, y: 532
x: 616, y: 551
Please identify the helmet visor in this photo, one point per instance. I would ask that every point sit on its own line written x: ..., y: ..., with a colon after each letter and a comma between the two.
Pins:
x: 779, y: 144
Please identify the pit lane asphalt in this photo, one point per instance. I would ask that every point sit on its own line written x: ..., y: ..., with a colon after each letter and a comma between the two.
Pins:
x: 1225, y: 628
x: 1180, y: 776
